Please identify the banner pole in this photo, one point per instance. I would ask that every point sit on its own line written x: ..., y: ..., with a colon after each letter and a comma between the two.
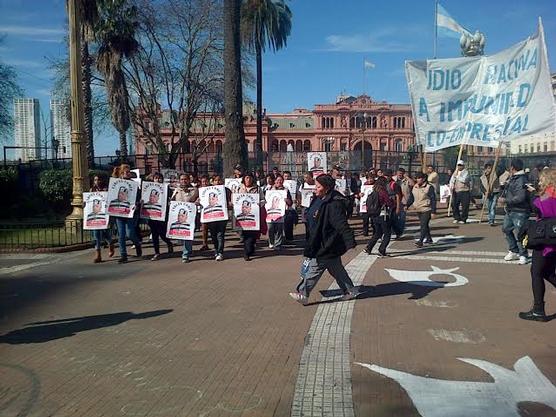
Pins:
x: 491, y: 178
x: 435, y: 28
x: 455, y: 168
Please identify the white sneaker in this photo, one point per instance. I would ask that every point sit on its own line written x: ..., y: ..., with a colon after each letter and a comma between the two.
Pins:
x: 219, y: 257
x: 461, y: 222
x: 270, y: 245
x: 455, y: 222
x: 300, y: 298
x: 523, y: 260
x: 511, y: 256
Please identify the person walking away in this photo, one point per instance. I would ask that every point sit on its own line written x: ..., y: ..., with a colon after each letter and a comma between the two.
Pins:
x: 127, y: 227
x: 276, y: 235
x: 329, y: 238
x: 543, y: 264
x: 518, y: 210
x: 380, y: 207
x: 101, y: 235
x: 158, y: 228
x: 490, y: 192
x: 250, y: 237
x: 460, y: 186
x: 185, y: 192
x: 217, y: 229
x: 423, y: 201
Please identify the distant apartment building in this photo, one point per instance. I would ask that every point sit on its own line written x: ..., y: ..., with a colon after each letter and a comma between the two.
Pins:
x: 61, y: 137
x: 27, y: 129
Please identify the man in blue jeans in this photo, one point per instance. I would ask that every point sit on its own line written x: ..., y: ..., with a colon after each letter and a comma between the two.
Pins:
x: 518, y: 210
x: 490, y: 188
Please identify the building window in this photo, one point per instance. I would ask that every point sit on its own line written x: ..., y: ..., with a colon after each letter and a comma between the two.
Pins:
x: 306, y: 145
x: 373, y: 122
x: 292, y: 125
x: 519, y: 149
x: 538, y: 146
x: 298, y: 146
x: 383, y: 146
x: 480, y: 149
x: 328, y: 144
x: 219, y: 146
x: 352, y: 122
x: 283, y: 146
x: 398, y: 145
x: 274, y: 146
x: 553, y: 146
x: 526, y: 150
x: 545, y: 146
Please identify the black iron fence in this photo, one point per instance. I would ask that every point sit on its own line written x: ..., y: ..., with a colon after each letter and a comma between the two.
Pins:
x: 42, y: 235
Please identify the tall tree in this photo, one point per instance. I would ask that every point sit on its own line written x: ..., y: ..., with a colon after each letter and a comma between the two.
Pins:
x: 115, y: 36
x: 235, y: 148
x: 264, y: 23
x: 9, y: 89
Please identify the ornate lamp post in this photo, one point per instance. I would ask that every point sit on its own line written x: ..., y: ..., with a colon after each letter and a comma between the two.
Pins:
x: 79, y: 160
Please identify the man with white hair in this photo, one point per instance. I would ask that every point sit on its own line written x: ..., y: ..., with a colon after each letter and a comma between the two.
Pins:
x: 460, y: 185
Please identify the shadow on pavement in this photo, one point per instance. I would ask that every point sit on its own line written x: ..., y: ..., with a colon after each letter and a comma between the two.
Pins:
x: 384, y: 290
x: 45, y: 331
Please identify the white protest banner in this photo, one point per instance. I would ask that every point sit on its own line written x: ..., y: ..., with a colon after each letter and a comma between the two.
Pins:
x: 341, y: 186
x: 233, y: 184
x: 480, y: 100
x: 171, y: 176
x: 317, y: 162
x: 154, y: 197
x: 214, y: 206
x: 291, y: 186
x: 246, y: 211
x: 275, y: 205
x: 122, y: 195
x: 445, y: 193
x: 306, y: 196
x: 366, y: 189
x: 95, y: 216
x: 181, y: 220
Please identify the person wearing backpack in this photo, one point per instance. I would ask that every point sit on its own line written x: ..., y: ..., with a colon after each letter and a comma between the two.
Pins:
x: 543, y: 262
x: 380, y: 208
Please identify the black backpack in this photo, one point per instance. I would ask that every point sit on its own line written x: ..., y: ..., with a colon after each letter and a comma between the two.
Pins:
x: 373, y: 204
x: 540, y: 233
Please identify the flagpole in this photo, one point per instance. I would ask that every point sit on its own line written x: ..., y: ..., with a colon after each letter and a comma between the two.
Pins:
x: 435, y: 27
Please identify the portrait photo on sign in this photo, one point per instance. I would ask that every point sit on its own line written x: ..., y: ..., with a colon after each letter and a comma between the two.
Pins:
x: 232, y: 184
x: 316, y: 162
x: 246, y: 211
x: 122, y: 195
x: 275, y: 205
x: 181, y: 220
x: 95, y: 216
x: 154, y: 200
x: 213, y: 203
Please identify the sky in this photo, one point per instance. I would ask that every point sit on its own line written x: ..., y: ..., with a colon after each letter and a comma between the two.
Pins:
x: 325, y: 53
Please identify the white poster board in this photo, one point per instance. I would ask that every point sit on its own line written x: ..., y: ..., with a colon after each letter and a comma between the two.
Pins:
x: 154, y: 197
x: 291, y: 186
x: 445, y: 193
x: 366, y: 189
x: 95, y: 216
x: 275, y: 205
x: 122, y: 195
x: 246, y: 211
x: 317, y: 163
x: 181, y: 220
x: 214, y: 206
x: 233, y: 184
x: 307, y: 193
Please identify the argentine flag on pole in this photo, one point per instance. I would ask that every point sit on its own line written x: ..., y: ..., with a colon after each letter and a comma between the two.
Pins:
x: 446, y: 25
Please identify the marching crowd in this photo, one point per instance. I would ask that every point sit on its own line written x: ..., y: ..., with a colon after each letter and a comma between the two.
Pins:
x: 325, y: 201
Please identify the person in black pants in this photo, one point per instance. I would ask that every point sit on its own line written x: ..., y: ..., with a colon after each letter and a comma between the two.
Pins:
x: 250, y: 237
x: 380, y: 208
x: 423, y: 200
x: 365, y: 216
x: 543, y: 264
x: 217, y: 229
x: 158, y: 228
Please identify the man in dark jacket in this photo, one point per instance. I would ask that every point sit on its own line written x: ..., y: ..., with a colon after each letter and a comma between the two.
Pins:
x: 329, y: 238
x: 518, y: 210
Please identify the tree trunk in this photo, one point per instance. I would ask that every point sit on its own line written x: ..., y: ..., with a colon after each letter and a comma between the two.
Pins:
x: 123, y: 145
x: 259, y: 142
x: 86, y: 62
x: 235, y: 149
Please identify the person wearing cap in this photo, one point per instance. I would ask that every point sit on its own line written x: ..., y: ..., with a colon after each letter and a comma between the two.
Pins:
x: 158, y: 228
x: 460, y: 186
x: 187, y: 193
x: 330, y: 237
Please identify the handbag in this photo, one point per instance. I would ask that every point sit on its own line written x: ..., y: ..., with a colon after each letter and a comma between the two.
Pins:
x: 540, y: 233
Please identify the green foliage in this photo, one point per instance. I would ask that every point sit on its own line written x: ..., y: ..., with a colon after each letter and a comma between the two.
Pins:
x: 8, y: 181
x: 56, y: 186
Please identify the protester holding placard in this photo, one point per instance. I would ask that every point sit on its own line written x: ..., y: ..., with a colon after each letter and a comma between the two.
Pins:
x: 276, y: 204
x: 99, y: 206
x: 366, y: 189
x: 251, y: 214
x: 215, y: 201
x: 204, y: 181
x: 181, y: 222
x: 290, y: 218
x: 156, y: 206
x: 185, y: 193
x: 305, y: 196
x: 460, y: 187
x: 125, y: 204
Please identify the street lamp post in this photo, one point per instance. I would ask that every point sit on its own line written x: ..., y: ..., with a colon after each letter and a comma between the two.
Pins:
x: 79, y: 161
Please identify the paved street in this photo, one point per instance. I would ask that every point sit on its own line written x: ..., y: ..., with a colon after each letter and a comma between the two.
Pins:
x: 435, y: 333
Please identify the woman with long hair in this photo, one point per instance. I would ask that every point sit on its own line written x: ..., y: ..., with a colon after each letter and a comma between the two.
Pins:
x: 158, y: 228
x: 101, y: 235
x: 543, y: 264
x: 127, y: 227
x: 217, y: 229
x: 250, y: 237
x: 379, y: 209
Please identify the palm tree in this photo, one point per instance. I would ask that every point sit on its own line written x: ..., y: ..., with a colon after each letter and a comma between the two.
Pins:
x: 115, y: 36
x: 264, y: 22
x: 235, y: 149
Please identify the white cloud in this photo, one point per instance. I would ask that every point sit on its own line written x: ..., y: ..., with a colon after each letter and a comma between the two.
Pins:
x: 30, y: 30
